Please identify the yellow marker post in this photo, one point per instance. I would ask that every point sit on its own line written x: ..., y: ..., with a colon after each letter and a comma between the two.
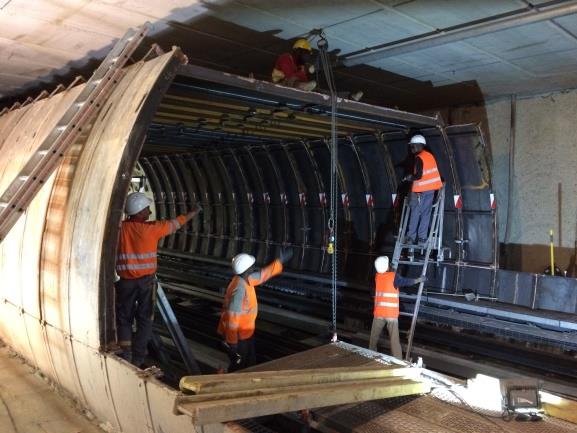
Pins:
x: 552, y: 252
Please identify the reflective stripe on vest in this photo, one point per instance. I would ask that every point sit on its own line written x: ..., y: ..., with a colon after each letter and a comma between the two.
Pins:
x: 135, y: 266
x: 430, y: 179
x: 387, y: 304
x: 386, y: 295
x: 126, y: 256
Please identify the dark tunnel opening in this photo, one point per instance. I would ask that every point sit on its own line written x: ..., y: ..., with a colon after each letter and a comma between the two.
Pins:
x: 256, y: 156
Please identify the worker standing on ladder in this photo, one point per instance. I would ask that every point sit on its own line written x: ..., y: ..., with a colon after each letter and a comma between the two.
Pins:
x: 136, y: 265
x: 426, y: 180
x: 240, y: 307
x: 386, y: 310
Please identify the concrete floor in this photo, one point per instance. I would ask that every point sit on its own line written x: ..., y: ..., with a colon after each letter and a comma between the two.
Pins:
x: 28, y: 404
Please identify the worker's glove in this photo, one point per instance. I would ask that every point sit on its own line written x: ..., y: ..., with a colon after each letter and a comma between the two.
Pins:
x: 285, y: 255
x: 408, y: 178
x: 312, y: 69
x: 421, y: 280
x: 196, y: 208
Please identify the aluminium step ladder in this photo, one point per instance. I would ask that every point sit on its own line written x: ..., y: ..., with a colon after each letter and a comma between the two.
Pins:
x: 434, y: 243
x: 81, y: 112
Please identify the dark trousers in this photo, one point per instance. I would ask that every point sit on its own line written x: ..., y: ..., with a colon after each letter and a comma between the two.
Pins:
x: 247, y: 351
x: 421, y: 204
x: 135, y: 300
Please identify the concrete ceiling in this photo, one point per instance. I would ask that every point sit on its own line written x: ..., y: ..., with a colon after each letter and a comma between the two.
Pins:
x: 43, y: 42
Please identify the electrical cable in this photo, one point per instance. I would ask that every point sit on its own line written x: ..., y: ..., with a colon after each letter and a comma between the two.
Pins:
x: 448, y: 385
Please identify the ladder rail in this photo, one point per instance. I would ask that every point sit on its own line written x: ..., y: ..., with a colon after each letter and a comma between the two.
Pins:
x: 433, y: 229
x: 40, y: 166
x: 401, y: 234
x: 175, y: 331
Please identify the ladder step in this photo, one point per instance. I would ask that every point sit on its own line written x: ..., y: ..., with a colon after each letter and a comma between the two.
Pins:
x: 412, y: 262
x: 415, y: 246
x: 68, y: 129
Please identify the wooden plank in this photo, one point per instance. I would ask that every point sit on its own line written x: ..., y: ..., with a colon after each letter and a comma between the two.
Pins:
x: 242, y: 381
x: 227, y: 394
x: 208, y: 412
x: 561, y: 408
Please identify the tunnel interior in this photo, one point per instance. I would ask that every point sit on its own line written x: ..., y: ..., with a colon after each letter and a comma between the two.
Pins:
x: 256, y: 157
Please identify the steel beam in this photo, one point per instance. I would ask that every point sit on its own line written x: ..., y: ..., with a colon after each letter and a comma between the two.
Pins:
x: 385, y: 116
x: 458, y: 33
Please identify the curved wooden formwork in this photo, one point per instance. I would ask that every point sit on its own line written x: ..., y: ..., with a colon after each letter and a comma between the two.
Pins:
x: 56, y: 296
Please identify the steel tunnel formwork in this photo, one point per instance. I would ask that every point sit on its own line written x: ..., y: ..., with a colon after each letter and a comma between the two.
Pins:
x: 255, y: 156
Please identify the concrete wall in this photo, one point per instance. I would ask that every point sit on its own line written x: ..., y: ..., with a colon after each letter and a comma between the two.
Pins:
x: 544, y: 182
x: 55, y: 295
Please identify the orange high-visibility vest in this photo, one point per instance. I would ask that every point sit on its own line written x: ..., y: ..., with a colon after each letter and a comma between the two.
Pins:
x: 386, y: 296
x: 240, y: 307
x: 431, y: 179
x: 138, y: 246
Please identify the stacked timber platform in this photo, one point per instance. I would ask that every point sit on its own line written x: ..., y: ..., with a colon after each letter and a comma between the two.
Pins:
x: 413, y: 411
x: 221, y: 398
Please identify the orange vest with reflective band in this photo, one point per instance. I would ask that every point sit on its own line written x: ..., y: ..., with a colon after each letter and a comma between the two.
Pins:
x: 139, y: 244
x: 431, y: 178
x: 240, y: 307
x: 386, y: 296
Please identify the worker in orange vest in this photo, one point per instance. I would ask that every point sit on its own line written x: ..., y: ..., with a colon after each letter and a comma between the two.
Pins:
x: 426, y: 180
x: 386, y: 310
x: 240, y: 307
x: 136, y: 266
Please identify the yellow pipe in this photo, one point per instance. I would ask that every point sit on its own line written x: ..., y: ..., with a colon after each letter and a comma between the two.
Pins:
x: 552, y: 253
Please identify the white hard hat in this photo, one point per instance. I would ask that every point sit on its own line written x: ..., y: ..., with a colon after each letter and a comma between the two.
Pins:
x: 382, y: 264
x: 136, y: 202
x: 241, y: 262
x: 418, y: 139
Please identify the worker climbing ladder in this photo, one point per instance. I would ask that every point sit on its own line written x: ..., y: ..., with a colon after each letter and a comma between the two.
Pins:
x: 28, y: 182
x: 434, y: 243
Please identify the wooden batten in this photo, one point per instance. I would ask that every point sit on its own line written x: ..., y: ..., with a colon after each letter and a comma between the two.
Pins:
x: 289, y: 399
x: 267, y: 379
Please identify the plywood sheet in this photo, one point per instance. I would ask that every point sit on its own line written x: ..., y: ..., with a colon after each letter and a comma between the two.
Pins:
x: 91, y: 367
x: 89, y: 200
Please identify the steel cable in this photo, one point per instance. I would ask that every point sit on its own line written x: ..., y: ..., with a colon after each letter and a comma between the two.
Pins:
x: 333, y: 211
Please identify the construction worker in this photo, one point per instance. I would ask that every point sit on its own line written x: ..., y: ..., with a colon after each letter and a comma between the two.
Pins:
x: 386, y: 309
x: 136, y: 266
x: 426, y: 180
x: 240, y: 307
x: 292, y: 69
